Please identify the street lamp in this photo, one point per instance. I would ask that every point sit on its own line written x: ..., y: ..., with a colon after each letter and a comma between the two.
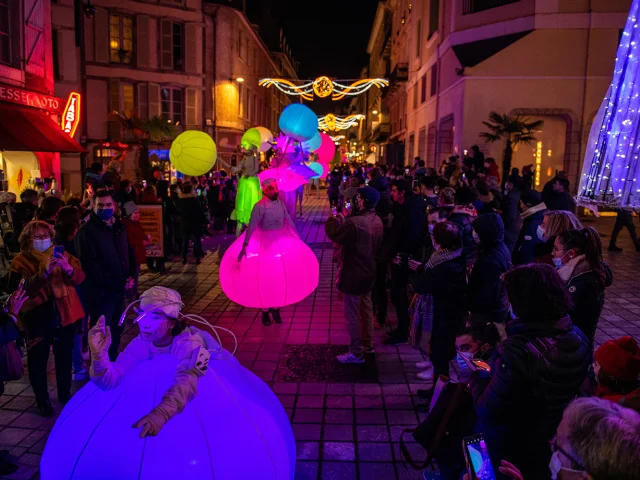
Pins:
x: 375, y: 112
x: 240, y: 80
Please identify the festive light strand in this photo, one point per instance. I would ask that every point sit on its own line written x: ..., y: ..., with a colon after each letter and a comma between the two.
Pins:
x: 330, y: 122
x: 323, y: 87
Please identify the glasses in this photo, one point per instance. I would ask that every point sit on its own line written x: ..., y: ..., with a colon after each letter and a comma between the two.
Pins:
x: 556, y: 448
x: 555, y: 250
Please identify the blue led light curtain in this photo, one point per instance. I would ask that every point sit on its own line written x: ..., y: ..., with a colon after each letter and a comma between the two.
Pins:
x: 610, y: 172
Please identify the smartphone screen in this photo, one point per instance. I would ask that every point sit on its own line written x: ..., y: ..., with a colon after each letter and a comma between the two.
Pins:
x: 344, y: 179
x: 334, y: 211
x: 58, y: 251
x: 21, y: 284
x: 475, y: 364
x: 347, y: 206
x: 477, y: 457
x: 406, y: 170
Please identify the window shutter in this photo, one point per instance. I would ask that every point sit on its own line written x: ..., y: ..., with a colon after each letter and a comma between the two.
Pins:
x: 166, y: 44
x: 143, y: 35
x: 191, y: 40
x: 114, y: 95
x: 101, y: 29
x: 192, y: 103
x: 143, y: 101
x: 34, y: 50
x: 154, y: 100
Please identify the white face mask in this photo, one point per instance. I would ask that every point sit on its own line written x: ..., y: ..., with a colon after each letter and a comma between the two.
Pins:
x: 540, y: 231
x: 555, y: 467
x: 41, y: 245
x: 476, y: 237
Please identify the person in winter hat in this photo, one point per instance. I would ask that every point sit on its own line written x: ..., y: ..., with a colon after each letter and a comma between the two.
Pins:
x: 617, y: 367
x: 161, y: 332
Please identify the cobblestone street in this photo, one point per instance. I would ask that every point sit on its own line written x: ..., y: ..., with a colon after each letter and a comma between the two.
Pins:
x: 345, y: 429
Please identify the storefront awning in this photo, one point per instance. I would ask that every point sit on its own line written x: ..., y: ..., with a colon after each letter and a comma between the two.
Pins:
x: 27, y: 129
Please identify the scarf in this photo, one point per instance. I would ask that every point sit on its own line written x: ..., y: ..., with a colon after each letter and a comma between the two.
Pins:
x: 421, y: 310
x: 188, y: 195
x: 535, y: 209
x: 566, y: 271
x: 465, y: 210
x: 57, y: 279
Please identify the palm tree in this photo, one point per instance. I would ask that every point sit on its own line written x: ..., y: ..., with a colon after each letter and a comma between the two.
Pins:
x: 142, y: 132
x: 513, y: 130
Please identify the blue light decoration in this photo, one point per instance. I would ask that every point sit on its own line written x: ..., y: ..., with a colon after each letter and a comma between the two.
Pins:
x: 234, y: 414
x: 314, y: 143
x: 611, y: 169
x: 299, y: 122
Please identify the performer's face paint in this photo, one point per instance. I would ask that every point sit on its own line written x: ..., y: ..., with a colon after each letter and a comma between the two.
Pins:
x: 271, y: 192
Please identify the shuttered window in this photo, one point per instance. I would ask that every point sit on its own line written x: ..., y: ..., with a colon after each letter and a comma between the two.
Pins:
x: 172, y: 100
x: 120, y: 38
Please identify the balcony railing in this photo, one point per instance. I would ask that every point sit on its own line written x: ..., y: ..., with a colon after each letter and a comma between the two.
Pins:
x: 400, y: 73
x: 474, y: 6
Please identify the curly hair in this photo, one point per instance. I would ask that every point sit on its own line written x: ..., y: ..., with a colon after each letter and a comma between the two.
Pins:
x: 26, y: 237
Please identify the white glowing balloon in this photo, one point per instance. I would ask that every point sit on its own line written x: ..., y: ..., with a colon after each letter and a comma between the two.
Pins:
x: 266, y: 137
x: 235, y: 428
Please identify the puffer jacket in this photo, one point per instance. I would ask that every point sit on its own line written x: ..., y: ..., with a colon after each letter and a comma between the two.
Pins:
x: 463, y: 217
x: 360, y: 242
x: 586, y: 291
x: 535, y: 373
x: 487, y: 296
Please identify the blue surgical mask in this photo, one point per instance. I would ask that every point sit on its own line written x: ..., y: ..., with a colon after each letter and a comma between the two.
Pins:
x: 105, y: 214
x: 41, y: 245
x: 557, y: 262
x: 462, y: 365
x: 540, y: 231
x: 555, y: 466
x: 431, y: 227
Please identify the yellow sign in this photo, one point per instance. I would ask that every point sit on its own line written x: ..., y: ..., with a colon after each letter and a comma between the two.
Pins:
x: 152, y: 224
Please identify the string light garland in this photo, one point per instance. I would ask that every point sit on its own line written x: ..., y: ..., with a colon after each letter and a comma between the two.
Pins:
x: 611, y: 169
x: 330, y: 122
x: 323, y: 86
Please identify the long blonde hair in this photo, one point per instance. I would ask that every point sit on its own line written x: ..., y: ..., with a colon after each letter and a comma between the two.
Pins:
x: 559, y: 221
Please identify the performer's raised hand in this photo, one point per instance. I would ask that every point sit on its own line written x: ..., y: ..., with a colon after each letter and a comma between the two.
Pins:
x: 151, y: 424
x: 242, y: 254
x: 99, y: 338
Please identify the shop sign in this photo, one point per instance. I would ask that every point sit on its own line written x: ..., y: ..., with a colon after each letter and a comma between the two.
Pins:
x: 151, y: 222
x: 30, y: 99
x: 71, y: 114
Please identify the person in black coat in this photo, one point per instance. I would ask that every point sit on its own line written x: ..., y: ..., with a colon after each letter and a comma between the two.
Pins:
x: 578, y: 256
x: 404, y: 240
x: 560, y: 198
x: 487, y: 299
x: 107, y: 259
x: 535, y: 373
x: 532, y: 208
x: 462, y: 214
x: 511, y: 215
x: 444, y: 277
x: 193, y: 221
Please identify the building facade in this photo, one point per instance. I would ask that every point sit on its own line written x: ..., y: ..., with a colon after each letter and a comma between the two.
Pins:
x: 236, y: 59
x: 132, y: 59
x: 31, y: 137
x: 548, y: 60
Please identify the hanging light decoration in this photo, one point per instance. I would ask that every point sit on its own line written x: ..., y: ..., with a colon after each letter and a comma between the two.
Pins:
x: 331, y: 123
x: 323, y: 86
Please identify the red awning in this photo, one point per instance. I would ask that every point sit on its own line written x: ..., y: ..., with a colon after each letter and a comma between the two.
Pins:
x: 31, y: 130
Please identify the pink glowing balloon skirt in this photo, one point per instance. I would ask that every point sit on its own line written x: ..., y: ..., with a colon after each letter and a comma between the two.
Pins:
x: 278, y: 270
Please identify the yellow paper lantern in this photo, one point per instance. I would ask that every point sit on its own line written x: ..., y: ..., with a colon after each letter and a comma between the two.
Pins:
x: 193, y: 153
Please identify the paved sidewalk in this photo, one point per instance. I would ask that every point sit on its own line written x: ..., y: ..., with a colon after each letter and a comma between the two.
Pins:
x: 344, y: 430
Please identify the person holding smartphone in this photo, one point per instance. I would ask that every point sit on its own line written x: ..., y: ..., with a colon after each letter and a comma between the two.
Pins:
x: 50, y: 316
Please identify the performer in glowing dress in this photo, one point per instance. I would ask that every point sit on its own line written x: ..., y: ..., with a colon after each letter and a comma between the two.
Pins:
x: 175, y: 382
x: 269, y: 266
x: 248, y: 187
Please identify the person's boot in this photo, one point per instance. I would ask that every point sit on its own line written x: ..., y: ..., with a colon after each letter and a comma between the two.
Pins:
x: 266, y: 321
x: 614, y: 248
x: 7, y: 468
x: 45, y: 408
x: 275, y: 314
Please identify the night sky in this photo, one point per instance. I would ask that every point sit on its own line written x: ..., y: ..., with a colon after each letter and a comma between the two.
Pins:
x: 327, y: 37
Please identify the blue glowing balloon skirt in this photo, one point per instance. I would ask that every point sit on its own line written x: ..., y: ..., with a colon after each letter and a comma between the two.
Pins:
x: 235, y: 428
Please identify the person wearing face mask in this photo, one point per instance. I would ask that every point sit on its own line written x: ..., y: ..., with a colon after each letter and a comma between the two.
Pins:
x: 108, y: 260
x: 269, y: 214
x: 478, y: 340
x: 161, y: 333
x: 434, y: 216
x: 532, y: 210
x: 487, y: 299
x: 596, y: 439
x: 577, y: 254
x: 359, y: 243
x: 553, y: 224
x: 535, y: 372
x: 50, y: 316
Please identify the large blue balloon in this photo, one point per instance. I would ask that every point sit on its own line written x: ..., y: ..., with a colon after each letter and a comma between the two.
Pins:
x: 318, y: 168
x: 315, y: 142
x: 299, y: 122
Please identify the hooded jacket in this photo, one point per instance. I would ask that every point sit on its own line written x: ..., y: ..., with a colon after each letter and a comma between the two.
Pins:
x: 535, y: 373
x: 463, y: 217
x: 511, y: 218
x: 383, y: 207
x: 528, y: 238
x: 406, y: 227
x: 486, y: 293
